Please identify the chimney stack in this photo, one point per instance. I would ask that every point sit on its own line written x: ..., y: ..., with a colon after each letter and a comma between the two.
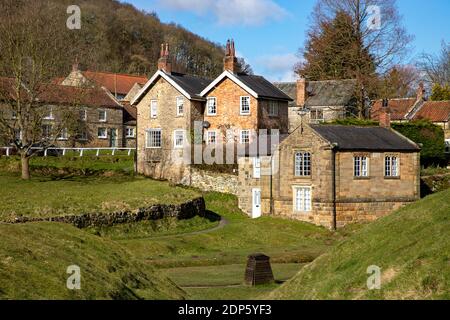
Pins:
x: 421, y: 92
x: 230, y: 62
x: 385, y: 115
x: 75, y: 65
x: 302, y: 93
x: 164, y: 63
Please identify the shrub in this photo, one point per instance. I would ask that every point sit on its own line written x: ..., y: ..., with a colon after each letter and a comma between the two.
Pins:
x: 429, y: 136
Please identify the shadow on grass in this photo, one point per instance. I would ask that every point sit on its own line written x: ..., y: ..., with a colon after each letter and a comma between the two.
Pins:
x: 212, y: 216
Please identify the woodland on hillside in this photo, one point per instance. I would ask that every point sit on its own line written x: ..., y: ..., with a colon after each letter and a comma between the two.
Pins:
x: 117, y: 37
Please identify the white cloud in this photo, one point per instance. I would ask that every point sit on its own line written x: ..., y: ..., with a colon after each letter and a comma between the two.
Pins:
x: 230, y: 12
x: 278, y: 67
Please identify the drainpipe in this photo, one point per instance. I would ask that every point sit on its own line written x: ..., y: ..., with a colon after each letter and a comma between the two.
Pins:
x: 271, y: 184
x: 334, y: 147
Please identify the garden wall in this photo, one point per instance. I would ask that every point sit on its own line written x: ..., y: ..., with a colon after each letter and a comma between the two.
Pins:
x: 183, y: 211
x: 212, y: 181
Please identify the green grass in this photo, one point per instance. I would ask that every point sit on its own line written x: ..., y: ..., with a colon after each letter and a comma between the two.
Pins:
x: 285, y: 241
x: 71, y: 165
x: 151, y: 229
x: 34, y: 258
x: 46, y: 196
x: 411, y: 246
x: 225, y: 275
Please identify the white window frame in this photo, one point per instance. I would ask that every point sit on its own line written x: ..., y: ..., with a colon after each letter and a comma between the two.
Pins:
x: 83, y: 136
x: 208, y: 105
x: 391, y: 166
x: 175, y: 140
x: 315, y: 119
x: 49, y: 133
x: 99, y: 115
x: 361, y: 166
x: 241, y: 140
x: 302, y: 203
x: 50, y: 115
x: 83, y: 114
x: 153, y: 109
x: 127, y: 132
x: 105, y: 136
x: 180, y: 106
x: 209, y: 135
x: 274, y: 108
x: 63, y: 135
x: 242, y: 112
x: 302, y: 164
x: 147, y: 132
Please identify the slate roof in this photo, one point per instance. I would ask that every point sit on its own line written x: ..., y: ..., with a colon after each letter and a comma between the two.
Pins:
x: 399, y: 108
x: 263, y: 87
x: 322, y: 93
x: 364, y: 138
x: 435, y: 111
x: 129, y: 114
x: 191, y: 84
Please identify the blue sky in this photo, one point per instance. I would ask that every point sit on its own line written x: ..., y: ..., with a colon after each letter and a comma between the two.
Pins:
x: 270, y: 35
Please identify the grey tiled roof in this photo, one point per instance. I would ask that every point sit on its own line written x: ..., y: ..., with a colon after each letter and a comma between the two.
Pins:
x: 323, y: 93
x: 263, y: 87
x: 191, y: 84
x: 364, y: 138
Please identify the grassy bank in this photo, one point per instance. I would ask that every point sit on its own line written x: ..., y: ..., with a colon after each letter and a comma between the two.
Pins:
x: 45, y: 196
x: 34, y: 258
x: 411, y: 246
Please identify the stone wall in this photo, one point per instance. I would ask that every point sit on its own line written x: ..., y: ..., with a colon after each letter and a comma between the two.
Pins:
x: 183, y: 211
x: 212, y: 181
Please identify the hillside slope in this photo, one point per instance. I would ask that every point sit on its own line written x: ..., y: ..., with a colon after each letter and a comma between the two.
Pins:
x: 411, y: 246
x: 34, y: 258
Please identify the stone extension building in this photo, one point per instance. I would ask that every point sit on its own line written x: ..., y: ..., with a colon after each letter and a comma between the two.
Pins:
x: 232, y: 108
x: 332, y: 175
x: 319, y: 101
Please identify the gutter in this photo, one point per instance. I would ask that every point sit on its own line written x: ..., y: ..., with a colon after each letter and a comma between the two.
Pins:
x: 334, y: 148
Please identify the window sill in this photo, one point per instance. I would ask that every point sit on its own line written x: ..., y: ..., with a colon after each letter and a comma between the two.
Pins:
x: 303, y: 177
x: 245, y: 114
x: 102, y: 138
x: 361, y: 178
x: 211, y: 115
x: 392, y: 178
x: 152, y: 148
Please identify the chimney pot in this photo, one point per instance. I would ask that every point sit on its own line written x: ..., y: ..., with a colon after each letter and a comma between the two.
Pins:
x: 164, y: 62
x: 302, y: 94
x: 385, y: 115
x: 230, y: 62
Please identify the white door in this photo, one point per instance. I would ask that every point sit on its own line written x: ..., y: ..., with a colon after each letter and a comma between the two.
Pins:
x: 256, y: 211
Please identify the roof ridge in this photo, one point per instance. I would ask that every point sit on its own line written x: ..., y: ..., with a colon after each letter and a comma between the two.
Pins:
x: 118, y: 74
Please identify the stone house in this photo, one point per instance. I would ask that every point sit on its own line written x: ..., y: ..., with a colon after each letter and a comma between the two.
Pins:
x: 411, y: 109
x: 123, y: 87
x: 99, y: 117
x: 319, y: 101
x: 171, y: 106
x: 332, y: 175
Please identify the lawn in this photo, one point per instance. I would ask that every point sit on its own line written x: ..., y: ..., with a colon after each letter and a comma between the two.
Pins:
x: 45, y: 196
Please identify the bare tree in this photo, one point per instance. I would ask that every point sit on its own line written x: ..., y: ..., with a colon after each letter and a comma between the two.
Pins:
x: 437, y: 67
x: 377, y: 32
x: 32, y: 42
